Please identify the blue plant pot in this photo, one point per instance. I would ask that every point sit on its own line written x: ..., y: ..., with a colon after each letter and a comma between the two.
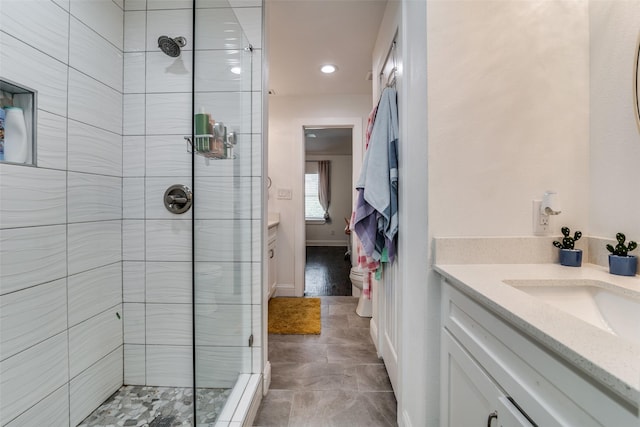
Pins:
x: 571, y: 257
x: 623, y: 265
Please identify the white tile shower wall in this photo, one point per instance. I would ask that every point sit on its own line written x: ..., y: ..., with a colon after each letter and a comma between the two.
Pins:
x: 157, y: 116
x: 52, y: 21
x: 94, y: 150
x: 93, y: 292
x: 45, y: 258
x: 227, y: 282
x: 169, y: 365
x: 53, y: 410
x: 134, y: 323
x: 95, y: 56
x: 52, y: 140
x: 134, y: 72
x: 103, y: 16
x: 31, y: 197
x: 100, y: 196
x: 32, y: 374
x: 133, y: 277
x: 94, y: 103
x: 64, y: 4
x: 134, y: 361
x: 60, y: 231
x: 32, y: 316
x: 133, y: 156
x: 91, y: 340
x: 169, y: 282
x: 165, y: 74
x: 95, y: 384
x: 93, y: 244
x: 32, y: 68
x: 168, y: 324
x: 133, y: 198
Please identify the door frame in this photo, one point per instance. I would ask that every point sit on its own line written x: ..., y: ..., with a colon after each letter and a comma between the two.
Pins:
x: 357, y: 146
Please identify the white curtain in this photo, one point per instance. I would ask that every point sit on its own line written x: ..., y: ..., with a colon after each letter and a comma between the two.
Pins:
x: 324, y: 186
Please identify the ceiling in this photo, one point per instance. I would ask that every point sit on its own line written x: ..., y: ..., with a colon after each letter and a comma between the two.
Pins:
x: 328, y: 141
x: 305, y: 34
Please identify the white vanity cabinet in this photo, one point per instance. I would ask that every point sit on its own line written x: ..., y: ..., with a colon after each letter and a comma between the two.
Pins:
x: 473, y: 398
x: 495, y: 375
x: 272, y: 263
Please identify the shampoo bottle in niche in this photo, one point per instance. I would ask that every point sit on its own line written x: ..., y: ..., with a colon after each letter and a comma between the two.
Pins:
x: 16, y: 149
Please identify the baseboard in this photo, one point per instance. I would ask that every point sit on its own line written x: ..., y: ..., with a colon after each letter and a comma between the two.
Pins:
x: 373, y: 330
x: 272, y: 292
x: 285, y: 290
x: 266, y: 378
x: 327, y: 243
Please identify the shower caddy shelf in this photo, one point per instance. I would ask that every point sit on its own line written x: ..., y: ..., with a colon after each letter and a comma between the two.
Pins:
x: 207, y: 155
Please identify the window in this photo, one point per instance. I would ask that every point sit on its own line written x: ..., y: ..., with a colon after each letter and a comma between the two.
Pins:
x: 312, y: 209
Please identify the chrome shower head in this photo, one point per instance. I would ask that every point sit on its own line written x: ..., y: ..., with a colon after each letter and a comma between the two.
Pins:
x: 171, y: 46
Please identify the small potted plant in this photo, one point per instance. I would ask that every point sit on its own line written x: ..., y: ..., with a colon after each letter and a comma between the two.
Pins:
x: 620, y: 262
x: 569, y: 256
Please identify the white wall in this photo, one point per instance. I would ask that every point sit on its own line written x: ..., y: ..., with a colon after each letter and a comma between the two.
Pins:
x: 332, y: 233
x: 60, y: 222
x: 614, y: 198
x: 285, y: 114
x: 508, y: 114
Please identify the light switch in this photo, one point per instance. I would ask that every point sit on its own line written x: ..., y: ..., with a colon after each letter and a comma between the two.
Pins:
x: 284, y: 194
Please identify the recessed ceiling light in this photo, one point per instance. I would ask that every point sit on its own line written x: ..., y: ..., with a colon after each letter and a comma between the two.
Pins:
x: 328, y: 69
x: 236, y: 70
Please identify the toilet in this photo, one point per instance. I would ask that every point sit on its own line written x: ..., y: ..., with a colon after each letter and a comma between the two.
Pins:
x: 364, y: 308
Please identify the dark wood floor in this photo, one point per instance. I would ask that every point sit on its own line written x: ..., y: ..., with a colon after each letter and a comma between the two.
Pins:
x: 327, y: 271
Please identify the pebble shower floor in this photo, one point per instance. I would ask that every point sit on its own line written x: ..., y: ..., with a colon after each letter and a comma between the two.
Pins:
x: 158, y: 407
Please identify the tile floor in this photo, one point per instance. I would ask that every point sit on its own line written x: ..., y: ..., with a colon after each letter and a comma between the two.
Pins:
x: 331, y: 379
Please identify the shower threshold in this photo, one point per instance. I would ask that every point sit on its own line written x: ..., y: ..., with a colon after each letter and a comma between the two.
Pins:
x: 158, y: 407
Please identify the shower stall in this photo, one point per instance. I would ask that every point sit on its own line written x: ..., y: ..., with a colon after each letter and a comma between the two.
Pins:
x: 132, y: 243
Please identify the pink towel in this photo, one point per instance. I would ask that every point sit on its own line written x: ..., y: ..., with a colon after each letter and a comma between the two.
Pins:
x: 367, y: 264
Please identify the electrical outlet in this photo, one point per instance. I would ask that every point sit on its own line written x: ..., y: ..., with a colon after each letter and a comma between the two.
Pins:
x: 544, y: 219
x: 540, y: 220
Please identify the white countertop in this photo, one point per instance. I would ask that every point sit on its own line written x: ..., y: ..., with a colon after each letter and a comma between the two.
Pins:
x: 610, y: 360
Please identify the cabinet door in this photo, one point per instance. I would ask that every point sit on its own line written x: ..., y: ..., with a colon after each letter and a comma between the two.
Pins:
x: 470, y: 397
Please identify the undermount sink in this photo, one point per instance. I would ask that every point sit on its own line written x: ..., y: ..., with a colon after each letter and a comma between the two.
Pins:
x: 592, y: 301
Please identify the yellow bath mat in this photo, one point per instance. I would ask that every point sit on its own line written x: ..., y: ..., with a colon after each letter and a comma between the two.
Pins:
x: 294, y: 316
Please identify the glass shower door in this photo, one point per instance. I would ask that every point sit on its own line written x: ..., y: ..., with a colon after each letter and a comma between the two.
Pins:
x: 227, y: 214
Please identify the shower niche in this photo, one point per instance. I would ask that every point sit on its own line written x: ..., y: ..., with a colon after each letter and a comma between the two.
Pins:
x: 18, y: 123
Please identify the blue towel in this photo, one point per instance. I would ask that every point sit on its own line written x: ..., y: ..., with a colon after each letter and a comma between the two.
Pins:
x: 379, y: 181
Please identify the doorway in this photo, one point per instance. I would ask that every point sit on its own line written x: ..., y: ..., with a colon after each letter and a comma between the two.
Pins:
x: 330, y: 126
x: 328, y: 183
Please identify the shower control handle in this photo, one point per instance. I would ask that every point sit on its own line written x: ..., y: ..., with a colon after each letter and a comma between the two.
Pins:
x: 178, y: 199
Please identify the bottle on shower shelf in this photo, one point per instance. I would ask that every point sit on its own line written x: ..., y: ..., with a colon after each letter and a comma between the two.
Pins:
x: 16, y: 149
x: 201, y: 124
x: 1, y: 134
